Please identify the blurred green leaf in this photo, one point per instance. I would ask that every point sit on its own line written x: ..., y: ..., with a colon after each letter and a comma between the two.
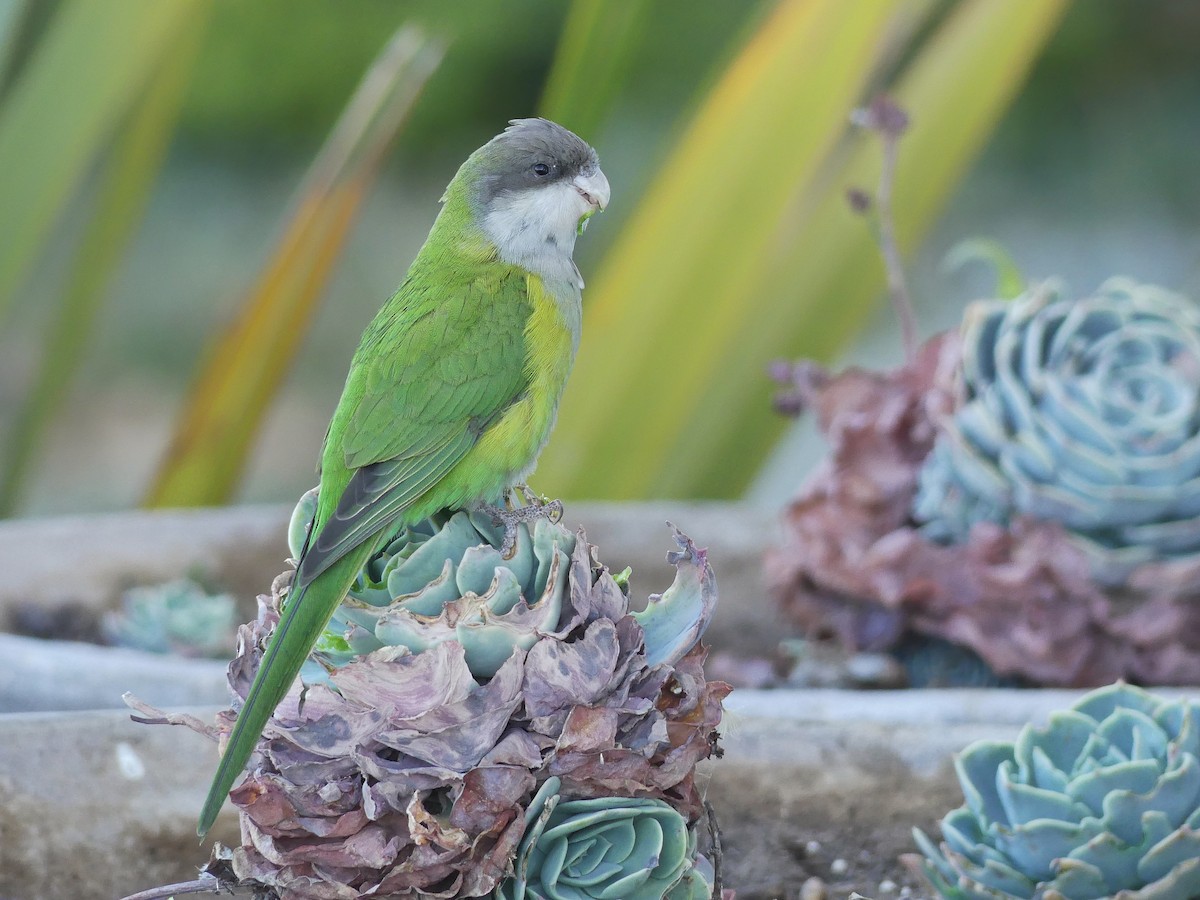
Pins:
x: 1010, y: 283
x: 22, y: 23
x: 246, y: 365
x: 83, y: 77
x: 128, y: 172
x: 827, y: 277
x: 592, y: 62
x: 745, y: 250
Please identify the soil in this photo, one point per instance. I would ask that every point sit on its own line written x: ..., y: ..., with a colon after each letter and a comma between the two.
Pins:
x: 791, y: 842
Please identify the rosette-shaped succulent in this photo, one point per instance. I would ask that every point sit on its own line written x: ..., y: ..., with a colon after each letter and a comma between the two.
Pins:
x: 856, y: 563
x: 451, y: 685
x: 1082, y: 412
x: 176, y: 617
x: 605, y: 848
x: 1102, y: 802
x: 445, y: 580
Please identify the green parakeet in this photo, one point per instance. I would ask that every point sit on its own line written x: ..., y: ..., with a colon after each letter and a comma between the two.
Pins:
x: 453, y: 390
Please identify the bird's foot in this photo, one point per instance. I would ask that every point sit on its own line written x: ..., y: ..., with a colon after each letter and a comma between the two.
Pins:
x: 511, y: 515
x: 520, y: 496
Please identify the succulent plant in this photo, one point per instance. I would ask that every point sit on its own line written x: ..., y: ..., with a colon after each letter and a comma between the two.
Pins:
x: 1082, y: 412
x: 855, y: 565
x: 445, y: 579
x: 605, y: 848
x: 451, y: 686
x: 175, y: 617
x: 1104, y: 801
x: 442, y: 580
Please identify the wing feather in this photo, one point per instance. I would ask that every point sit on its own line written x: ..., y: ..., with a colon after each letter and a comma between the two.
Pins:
x: 376, y: 495
x: 434, y: 370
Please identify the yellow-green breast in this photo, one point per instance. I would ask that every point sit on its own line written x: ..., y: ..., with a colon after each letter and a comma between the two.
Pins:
x: 551, y: 339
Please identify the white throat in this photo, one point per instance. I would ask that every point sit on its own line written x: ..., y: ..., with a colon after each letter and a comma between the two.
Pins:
x: 536, y: 229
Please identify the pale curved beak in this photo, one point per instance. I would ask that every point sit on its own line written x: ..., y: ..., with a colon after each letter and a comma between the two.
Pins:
x: 593, y: 187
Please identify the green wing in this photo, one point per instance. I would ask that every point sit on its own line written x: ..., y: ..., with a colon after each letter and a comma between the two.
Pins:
x: 436, y: 368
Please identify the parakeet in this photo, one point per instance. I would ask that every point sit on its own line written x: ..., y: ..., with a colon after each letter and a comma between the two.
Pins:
x: 454, y: 387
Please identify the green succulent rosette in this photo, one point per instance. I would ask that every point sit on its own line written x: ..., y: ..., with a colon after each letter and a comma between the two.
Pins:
x: 1104, y: 801
x: 444, y: 579
x: 1084, y: 412
x: 1026, y: 487
x: 605, y: 848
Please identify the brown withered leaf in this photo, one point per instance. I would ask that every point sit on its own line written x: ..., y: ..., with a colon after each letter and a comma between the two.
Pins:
x: 490, y: 794
x: 562, y: 674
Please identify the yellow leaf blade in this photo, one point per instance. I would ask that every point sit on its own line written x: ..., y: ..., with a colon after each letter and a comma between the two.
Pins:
x: 591, y: 61
x: 700, y: 232
x: 827, y: 275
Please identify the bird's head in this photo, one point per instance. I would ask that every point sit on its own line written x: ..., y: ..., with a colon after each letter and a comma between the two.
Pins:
x: 532, y: 189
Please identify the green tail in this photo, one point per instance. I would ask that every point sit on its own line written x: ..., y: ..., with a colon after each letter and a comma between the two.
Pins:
x: 305, y: 615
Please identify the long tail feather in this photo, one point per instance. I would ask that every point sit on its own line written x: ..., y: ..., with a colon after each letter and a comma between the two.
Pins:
x: 306, y: 613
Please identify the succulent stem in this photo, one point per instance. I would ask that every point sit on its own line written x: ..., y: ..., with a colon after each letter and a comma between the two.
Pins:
x: 890, y: 122
x: 716, y: 852
x: 897, y: 284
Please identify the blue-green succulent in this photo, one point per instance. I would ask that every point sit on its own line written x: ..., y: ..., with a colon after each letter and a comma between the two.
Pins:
x: 445, y: 579
x: 1104, y: 801
x: 175, y: 617
x: 1084, y: 412
x: 605, y: 848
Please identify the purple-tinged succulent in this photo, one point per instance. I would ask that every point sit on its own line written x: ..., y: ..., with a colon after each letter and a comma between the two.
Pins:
x: 853, y: 563
x: 407, y: 765
x: 445, y: 579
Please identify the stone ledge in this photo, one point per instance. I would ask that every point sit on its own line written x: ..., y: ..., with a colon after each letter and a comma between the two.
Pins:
x: 64, y: 675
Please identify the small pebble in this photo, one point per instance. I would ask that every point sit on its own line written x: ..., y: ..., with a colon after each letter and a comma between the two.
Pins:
x: 887, y: 887
x: 839, y: 867
x: 812, y: 847
x: 875, y: 670
x: 813, y: 889
x: 906, y: 891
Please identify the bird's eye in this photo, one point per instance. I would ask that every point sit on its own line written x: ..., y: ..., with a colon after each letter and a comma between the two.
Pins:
x: 540, y: 170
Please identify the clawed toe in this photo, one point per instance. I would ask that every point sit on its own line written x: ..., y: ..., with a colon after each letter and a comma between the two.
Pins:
x: 510, y: 516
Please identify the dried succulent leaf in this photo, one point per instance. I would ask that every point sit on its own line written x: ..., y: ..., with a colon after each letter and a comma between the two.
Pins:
x: 673, y: 621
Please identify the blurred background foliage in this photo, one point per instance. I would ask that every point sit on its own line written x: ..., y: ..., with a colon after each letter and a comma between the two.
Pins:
x: 141, y: 268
